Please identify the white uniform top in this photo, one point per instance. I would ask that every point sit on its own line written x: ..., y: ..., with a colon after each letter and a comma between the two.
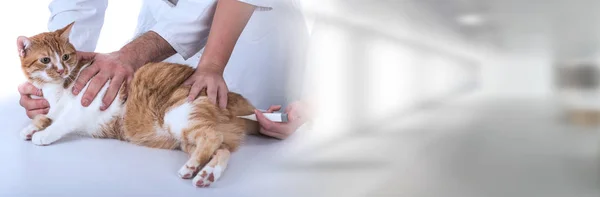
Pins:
x: 269, y: 50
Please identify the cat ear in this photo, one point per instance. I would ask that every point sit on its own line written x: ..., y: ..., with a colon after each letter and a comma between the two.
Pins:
x: 65, y: 31
x: 23, y: 43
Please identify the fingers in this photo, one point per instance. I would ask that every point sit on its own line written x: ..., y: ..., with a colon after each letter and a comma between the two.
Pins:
x: 32, y: 107
x: 196, y: 88
x: 216, y: 89
x: 223, y: 95
x: 28, y: 89
x: 290, y: 107
x: 292, y: 113
x: 279, y: 130
x: 32, y: 113
x: 24, y: 99
x: 33, y: 104
x: 84, y: 78
x: 273, y: 134
x: 274, y: 108
x: 263, y: 121
x: 93, y: 88
x: 267, y: 124
x: 111, y: 92
x: 296, y: 112
x: 189, y: 81
x: 86, y: 55
x: 212, y: 90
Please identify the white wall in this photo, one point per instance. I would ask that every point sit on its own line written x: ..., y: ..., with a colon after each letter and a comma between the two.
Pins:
x: 370, y: 61
x: 16, y: 22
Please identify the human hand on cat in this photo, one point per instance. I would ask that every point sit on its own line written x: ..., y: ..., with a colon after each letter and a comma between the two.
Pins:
x: 33, y: 106
x: 106, y: 67
x: 281, y: 130
x: 210, y: 77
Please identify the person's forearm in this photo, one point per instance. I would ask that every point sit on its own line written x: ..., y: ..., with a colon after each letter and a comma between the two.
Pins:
x: 231, y: 17
x: 149, y: 47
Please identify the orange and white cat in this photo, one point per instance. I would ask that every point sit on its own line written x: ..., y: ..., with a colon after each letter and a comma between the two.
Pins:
x: 155, y: 114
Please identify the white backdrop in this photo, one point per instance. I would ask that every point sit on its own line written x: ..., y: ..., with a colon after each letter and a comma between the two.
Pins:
x: 30, y: 17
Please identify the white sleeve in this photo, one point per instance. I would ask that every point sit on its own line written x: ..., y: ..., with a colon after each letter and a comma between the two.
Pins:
x: 88, y: 16
x: 186, y: 26
x: 261, y: 5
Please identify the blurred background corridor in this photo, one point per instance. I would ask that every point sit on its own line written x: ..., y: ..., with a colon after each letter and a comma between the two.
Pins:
x: 452, y: 98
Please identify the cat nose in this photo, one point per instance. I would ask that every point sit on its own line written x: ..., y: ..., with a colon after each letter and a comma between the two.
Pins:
x: 60, y: 71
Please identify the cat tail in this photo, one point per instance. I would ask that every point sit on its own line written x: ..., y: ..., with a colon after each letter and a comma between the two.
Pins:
x: 238, y: 106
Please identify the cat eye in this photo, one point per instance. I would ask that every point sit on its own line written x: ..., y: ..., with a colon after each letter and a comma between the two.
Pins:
x: 45, y: 60
x: 65, y: 57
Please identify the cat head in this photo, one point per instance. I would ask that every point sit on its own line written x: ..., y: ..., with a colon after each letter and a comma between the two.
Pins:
x: 48, y: 57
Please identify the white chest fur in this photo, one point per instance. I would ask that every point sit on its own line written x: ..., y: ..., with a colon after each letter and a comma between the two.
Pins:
x: 67, y: 112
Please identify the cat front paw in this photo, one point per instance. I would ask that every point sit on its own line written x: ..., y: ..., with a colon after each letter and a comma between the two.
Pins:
x: 28, y: 132
x: 43, y: 138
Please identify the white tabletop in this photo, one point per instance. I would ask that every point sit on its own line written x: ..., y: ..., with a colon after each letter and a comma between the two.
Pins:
x: 79, y: 166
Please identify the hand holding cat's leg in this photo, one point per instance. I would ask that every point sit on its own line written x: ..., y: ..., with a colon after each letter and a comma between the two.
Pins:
x: 51, y: 134
x: 212, y: 171
x: 40, y: 122
x: 33, y: 106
